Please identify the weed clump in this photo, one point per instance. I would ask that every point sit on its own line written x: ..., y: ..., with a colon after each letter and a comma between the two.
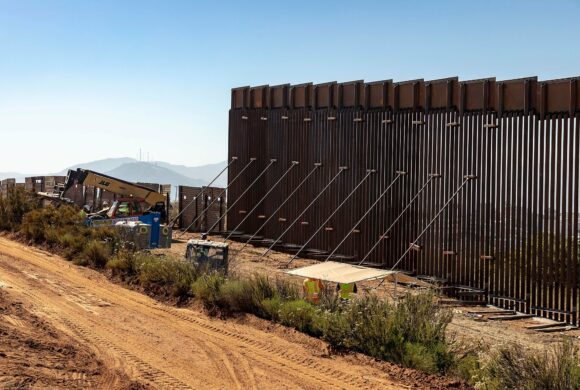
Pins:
x: 167, y: 275
x: 95, y: 254
x: 13, y: 206
x: 513, y: 367
x: 208, y: 289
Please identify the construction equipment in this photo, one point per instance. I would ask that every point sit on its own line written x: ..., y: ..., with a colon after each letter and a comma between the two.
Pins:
x: 136, y: 203
x: 208, y: 255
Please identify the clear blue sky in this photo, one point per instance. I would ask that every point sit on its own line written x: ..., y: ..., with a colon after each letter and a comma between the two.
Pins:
x: 82, y: 80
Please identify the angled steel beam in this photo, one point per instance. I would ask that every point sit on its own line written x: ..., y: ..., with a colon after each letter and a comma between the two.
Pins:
x: 316, y: 166
x: 171, y: 223
x: 413, y: 245
x: 272, y: 161
x: 272, y: 188
x: 398, y: 175
x: 340, y: 170
x: 369, y: 172
x: 252, y: 159
x: 431, y: 177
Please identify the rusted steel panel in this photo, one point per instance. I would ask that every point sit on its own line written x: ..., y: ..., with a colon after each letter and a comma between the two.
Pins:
x: 558, y: 96
x: 194, y: 201
x: 325, y: 95
x: 477, y: 95
x: 351, y: 94
x: 259, y: 97
x: 516, y: 95
x: 441, y: 94
x: 377, y: 94
x: 301, y: 95
x: 410, y: 95
x: 6, y: 186
x: 240, y: 98
x: 279, y: 95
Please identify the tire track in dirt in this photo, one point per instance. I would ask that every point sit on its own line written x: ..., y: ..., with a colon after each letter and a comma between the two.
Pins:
x: 152, y: 375
x: 244, y: 354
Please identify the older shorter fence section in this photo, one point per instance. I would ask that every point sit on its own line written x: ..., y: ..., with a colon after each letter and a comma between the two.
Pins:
x: 201, y: 208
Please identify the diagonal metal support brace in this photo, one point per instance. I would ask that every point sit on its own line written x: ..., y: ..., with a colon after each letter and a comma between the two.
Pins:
x: 272, y: 188
x: 413, y: 245
x: 369, y: 172
x: 252, y: 159
x: 316, y: 166
x: 272, y: 161
x: 171, y: 223
x: 431, y: 176
x: 397, y: 176
x: 340, y: 170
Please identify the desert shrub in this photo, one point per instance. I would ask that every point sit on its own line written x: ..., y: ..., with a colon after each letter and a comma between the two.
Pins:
x: 233, y: 295
x: 95, y: 254
x: 419, y: 357
x: 335, y: 328
x: 207, y: 288
x: 419, y: 319
x: 411, y: 332
x: 13, y: 206
x: 62, y: 229
x: 271, y: 308
x: 172, y: 275
x: 260, y: 288
x: 247, y: 295
x: 286, y: 290
x: 48, y: 223
x: 513, y: 367
x: 123, y: 263
x: 329, y: 300
x: 297, y: 314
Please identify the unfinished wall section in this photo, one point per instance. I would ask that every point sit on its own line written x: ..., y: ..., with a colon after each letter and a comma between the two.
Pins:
x: 202, y: 207
x: 510, y: 237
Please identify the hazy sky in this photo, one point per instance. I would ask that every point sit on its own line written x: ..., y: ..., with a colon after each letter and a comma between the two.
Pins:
x: 83, y: 80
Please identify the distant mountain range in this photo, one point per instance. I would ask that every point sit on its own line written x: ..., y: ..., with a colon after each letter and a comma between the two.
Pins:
x: 146, y: 172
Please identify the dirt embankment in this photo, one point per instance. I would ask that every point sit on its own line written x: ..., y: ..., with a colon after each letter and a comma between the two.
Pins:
x: 85, y: 331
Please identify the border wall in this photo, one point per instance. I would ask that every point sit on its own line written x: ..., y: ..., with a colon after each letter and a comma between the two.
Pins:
x: 511, y: 235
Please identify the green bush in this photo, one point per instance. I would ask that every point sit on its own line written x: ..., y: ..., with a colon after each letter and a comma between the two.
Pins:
x: 234, y: 296
x: 172, y: 275
x: 123, y: 263
x: 207, y: 288
x: 513, y: 367
x: 334, y: 328
x: 297, y: 314
x: 96, y: 254
x: 271, y: 308
x: 411, y: 332
x: 13, y: 206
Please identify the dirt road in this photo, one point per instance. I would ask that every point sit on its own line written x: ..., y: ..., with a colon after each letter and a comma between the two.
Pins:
x: 137, y: 341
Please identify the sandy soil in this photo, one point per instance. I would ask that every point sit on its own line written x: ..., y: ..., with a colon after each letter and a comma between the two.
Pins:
x: 33, y: 353
x: 473, y: 331
x: 66, y: 326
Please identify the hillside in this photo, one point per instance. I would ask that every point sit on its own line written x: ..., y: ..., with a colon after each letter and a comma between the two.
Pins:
x: 151, y: 173
x: 105, y: 165
x: 132, y: 170
x: 203, y: 172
